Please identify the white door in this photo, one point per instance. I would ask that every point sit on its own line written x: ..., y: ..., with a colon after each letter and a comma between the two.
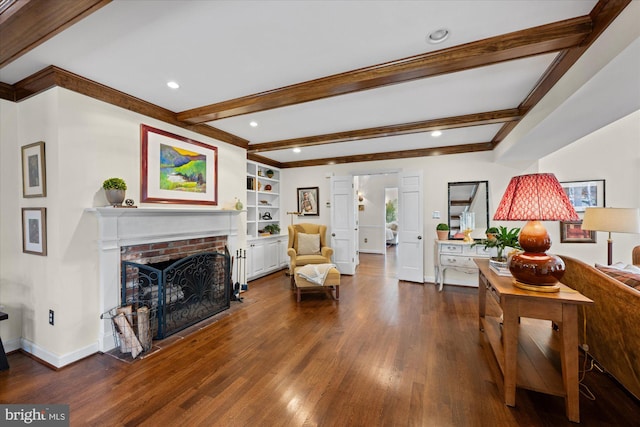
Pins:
x: 410, y: 227
x: 343, y: 227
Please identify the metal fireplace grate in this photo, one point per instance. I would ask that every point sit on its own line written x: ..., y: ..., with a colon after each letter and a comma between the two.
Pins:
x: 178, y: 293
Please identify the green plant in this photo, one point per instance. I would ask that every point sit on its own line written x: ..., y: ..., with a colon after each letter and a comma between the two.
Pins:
x: 114, y: 184
x: 492, y: 230
x: 442, y: 227
x: 503, y: 238
x: 391, y: 210
x: 272, y: 228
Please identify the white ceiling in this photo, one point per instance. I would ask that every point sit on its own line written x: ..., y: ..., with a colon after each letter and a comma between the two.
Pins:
x: 220, y: 50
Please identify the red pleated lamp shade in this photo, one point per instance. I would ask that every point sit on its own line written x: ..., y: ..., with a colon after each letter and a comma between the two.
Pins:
x: 535, y: 197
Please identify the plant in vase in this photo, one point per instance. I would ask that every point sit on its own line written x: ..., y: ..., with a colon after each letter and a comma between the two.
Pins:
x: 501, y: 238
x: 442, y: 230
x: 114, y: 189
x: 272, y: 229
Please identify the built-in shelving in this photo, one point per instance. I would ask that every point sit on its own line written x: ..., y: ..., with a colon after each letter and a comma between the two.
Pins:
x: 263, y: 198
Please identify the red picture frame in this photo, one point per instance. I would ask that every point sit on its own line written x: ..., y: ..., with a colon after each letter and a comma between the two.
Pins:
x: 572, y: 232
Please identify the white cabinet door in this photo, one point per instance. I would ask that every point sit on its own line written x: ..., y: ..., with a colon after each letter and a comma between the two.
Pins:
x: 282, y: 251
x: 271, y: 251
x: 255, y: 259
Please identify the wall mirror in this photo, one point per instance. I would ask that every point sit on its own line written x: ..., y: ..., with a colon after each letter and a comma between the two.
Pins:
x: 469, y: 196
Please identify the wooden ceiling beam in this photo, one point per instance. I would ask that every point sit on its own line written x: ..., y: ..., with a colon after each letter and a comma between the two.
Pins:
x: 602, y: 15
x: 477, y: 119
x: 26, y: 24
x: 53, y: 76
x: 520, y: 44
x: 392, y: 155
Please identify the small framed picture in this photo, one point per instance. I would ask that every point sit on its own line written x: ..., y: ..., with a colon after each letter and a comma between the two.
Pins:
x: 34, y: 231
x: 34, y: 176
x: 585, y: 194
x: 308, y: 201
x: 572, y: 232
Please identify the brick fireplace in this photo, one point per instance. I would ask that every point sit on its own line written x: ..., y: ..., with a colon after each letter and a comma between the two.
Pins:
x: 155, y: 233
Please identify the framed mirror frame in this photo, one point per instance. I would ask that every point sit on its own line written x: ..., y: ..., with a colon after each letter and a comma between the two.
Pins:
x: 468, y: 196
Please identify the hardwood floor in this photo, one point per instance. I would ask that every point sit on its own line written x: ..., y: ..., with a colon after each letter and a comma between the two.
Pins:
x: 388, y: 353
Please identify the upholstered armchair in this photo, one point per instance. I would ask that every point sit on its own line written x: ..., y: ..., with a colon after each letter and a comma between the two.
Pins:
x: 308, y: 245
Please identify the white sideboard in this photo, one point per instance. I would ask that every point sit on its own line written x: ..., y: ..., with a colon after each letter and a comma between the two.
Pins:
x: 458, y: 255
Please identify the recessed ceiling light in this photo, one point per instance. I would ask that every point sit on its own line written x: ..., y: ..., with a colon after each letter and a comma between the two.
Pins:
x: 436, y: 133
x: 438, y: 36
x: 253, y: 124
x: 173, y: 85
x: 297, y: 150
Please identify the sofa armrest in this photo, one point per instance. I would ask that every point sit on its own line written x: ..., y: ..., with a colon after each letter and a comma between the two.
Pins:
x: 327, y: 252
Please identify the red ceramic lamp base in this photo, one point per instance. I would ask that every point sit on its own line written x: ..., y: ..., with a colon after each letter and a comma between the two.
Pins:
x: 534, y: 268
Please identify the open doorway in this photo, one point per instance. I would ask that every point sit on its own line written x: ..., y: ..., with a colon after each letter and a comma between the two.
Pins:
x: 377, y: 209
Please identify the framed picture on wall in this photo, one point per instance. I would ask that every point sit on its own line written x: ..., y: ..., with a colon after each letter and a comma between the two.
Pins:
x: 308, y: 201
x: 585, y: 194
x: 572, y: 232
x: 34, y: 176
x: 34, y: 231
x: 176, y: 169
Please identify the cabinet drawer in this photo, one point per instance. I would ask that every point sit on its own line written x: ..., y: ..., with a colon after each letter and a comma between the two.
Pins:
x: 457, y: 261
x: 451, y: 249
x: 482, y: 251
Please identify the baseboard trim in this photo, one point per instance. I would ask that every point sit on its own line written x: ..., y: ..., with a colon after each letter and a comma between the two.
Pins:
x: 55, y: 360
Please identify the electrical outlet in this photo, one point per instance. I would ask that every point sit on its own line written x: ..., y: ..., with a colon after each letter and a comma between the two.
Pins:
x: 366, y: 240
x: 51, y: 317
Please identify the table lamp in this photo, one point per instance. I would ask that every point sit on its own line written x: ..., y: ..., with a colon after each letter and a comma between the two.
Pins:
x: 535, y: 198
x: 617, y: 220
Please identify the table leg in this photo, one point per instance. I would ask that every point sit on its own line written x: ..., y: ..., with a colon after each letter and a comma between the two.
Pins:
x: 510, y: 343
x: 482, y: 299
x: 569, y: 360
x: 4, y: 363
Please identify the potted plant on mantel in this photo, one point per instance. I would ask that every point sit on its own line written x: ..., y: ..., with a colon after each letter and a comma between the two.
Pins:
x: 442, y: 230
x: 114, y: 189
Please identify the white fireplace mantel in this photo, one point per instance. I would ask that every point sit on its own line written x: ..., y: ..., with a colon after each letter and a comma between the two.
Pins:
x: 119, y: 227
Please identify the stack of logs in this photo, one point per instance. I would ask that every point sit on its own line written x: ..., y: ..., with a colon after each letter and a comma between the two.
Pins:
x: 127, y: 322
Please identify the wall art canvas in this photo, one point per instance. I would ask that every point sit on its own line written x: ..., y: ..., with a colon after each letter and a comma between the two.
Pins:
x: 34, y: 231
x: 34, y: 177
x: 176, y: 169
x: 585, y: 194
x: 572, y: 232
x: 308, y: 201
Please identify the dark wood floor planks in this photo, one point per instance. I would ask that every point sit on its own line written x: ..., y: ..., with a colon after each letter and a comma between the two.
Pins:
x: 388, y: 353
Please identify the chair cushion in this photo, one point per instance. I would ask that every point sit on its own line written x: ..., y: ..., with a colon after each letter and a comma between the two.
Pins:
x: 308, y: 244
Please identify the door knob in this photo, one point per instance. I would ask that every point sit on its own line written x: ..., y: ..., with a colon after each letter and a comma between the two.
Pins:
x: 333, y: 234
x: 419, y: 237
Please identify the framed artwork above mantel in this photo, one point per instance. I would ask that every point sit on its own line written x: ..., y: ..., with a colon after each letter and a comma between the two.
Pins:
x: 176, y: 169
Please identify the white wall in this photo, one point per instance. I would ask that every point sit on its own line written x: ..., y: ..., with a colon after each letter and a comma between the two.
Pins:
x: 611, y: 153
x: 437, y: 172
x: 87, y: 141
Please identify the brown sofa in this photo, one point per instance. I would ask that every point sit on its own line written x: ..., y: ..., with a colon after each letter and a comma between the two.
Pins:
x: 612, y: 333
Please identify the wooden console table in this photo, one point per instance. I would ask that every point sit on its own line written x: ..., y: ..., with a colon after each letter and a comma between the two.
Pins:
x: 522, y: 361
x: 4, y: 363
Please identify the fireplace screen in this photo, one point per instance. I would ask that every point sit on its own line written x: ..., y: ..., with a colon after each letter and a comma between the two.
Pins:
x: 178, y: 293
